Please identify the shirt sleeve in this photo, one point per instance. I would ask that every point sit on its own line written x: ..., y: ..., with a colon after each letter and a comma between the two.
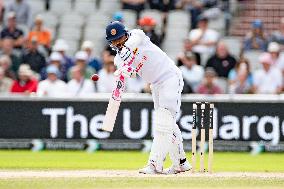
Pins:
x: 136, y: 37
x: 118, y: 62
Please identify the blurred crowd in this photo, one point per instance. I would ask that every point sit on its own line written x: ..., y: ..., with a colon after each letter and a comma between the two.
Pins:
x: 35, y: 63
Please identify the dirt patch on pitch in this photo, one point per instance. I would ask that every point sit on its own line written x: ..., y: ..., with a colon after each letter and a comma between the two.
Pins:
x: 6, y: 174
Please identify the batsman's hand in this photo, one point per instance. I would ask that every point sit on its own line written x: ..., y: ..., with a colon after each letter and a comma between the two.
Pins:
x: 125, y: 71
x: 126, y: 55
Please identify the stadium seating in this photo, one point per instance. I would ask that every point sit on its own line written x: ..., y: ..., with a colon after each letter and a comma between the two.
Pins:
x: 60, y: 7
x: 85, y: 7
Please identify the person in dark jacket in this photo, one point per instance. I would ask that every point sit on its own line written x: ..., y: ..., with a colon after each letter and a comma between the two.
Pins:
x: 222, y: 61
x: 33, y: 57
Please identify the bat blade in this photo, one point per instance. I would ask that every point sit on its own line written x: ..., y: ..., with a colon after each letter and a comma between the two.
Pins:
x: 110, y: 116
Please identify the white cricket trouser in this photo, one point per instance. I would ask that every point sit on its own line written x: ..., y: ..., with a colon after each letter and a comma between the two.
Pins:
x: 168, y: 95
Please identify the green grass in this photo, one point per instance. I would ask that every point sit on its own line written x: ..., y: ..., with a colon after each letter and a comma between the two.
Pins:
x: 86, y: 183
x: 75, y: 160
x: 268, y: 162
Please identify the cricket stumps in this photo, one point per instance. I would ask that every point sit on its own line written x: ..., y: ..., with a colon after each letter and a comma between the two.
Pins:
x: 202, y: 119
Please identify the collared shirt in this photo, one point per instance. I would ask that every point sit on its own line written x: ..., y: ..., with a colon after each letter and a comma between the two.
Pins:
x: 47, y: 88
x: 84, y: 87
x: 208, y: 36
x: 267, y: 82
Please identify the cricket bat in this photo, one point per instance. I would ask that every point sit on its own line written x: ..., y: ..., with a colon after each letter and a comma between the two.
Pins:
x: 115, y: 100
x: 113, y: 105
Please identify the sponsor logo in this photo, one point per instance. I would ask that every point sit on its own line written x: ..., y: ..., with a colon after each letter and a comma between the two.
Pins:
x: 113, y: 31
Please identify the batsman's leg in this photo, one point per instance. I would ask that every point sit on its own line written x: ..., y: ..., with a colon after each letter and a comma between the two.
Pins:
x: 170, y: 98
x: 163, y: 129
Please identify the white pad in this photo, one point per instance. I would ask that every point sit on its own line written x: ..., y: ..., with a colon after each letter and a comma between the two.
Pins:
x: 176, y: 150
x: 163, y: 130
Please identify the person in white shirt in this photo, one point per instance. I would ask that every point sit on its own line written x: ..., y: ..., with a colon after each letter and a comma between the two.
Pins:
x: 269, y: 79
x: 106, y: 83
x: 191, y: 72
x: 203, y: 40
x: 137, y: 55
x: 52, y: 86
x: 78, y: 85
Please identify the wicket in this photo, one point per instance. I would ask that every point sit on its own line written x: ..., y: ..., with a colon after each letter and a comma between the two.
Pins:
x: 200, y: 107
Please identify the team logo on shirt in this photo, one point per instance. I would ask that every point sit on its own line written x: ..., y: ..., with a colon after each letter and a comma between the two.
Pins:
x: 113, y: 31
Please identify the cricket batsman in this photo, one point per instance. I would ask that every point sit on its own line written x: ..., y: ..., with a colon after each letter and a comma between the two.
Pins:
x: 137, y: 55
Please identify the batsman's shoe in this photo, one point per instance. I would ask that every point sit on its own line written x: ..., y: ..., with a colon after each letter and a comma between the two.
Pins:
x: 185, y: 166
x: 149, y: 169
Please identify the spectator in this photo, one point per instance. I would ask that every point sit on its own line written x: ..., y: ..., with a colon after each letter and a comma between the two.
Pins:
x: 191, y: 72
x: 274, y: 51
x: 61, y: 47
x: 26, y: 83
x: 22, y: 10
x: 33, y: 57
x: 42, y: 34
x: 256, y: 38
x: 52, y: 86
x: 135, y: 5
x: 94, y: 62
x: 107, y: 80
x: 78, y: 85
x: 196, y: 8
x: 11, y: 31
x: 233, y: 73
x: 55, y: 59
x: 242, y: 82
x: 222, y: 61
x: 148, y: 24
x: 267, y: 80
x: 81, y: 58
x: 7, y: 49
x: 5, y: 82
x: 187, y: 48
x: 118, y: 16
x: 5, y: 64
x: 278, y: 36
x: 208, y: 86
x: 203, y: 40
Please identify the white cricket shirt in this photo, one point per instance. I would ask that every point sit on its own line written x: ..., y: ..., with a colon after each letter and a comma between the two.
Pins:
x: 154, y: 66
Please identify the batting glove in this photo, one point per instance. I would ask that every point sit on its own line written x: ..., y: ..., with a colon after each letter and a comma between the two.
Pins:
x: 125, y: 71
x: 126, y: 55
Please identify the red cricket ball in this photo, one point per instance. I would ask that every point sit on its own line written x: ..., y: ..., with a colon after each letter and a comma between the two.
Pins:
x: 95, y: 77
